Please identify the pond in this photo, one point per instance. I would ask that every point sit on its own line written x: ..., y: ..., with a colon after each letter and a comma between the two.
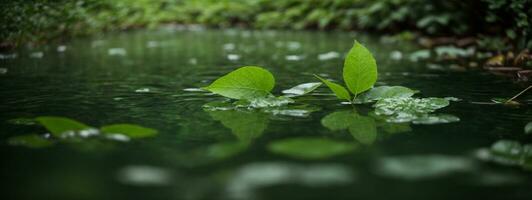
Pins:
x: 152, y: 79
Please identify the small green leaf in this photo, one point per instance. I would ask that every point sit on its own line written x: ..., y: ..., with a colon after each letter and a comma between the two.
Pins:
x: 310, y: 148
x: 360, y: 69
x: 129, y: 130
x: 302, y: 89
x: 244, y: 83
x: 383, y: 92
x: 59, y: 125
x: 338, y: 90
x: 31, y: 141
x: 528, y: 128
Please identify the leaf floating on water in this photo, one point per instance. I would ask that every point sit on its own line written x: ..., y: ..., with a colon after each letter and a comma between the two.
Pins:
x: 302, y: 89
x: 384, y: 92
x: 244, y: 83
x: 360, y: 69
x: 31, y: 141
x: 417, y: 110
x: 130, y: 130
x: 61, y: 125
x: 311, y: 148
x: 338, y: 90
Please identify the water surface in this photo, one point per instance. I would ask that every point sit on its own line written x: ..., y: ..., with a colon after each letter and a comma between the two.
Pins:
x: 150, y: 79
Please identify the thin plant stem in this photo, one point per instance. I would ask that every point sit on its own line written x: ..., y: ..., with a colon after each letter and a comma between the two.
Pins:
x: 518, y: 94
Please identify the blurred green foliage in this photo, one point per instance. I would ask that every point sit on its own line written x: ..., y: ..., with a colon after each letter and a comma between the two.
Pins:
x: 34, y: 20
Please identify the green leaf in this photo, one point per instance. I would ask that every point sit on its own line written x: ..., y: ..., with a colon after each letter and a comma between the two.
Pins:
x: 528, y: 128
x: 59, y: 125
x: 244, y: 83
x: 360, y: 69
x: 310, y: 148
x: 31, y: 141
x: 302, y: 89
x: 338, y: 90
x: 383, y: 92
x: 417, y: 110
x: 129, y: 130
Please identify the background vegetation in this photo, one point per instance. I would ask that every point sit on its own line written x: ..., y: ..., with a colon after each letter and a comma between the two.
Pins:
x: 42, y: 20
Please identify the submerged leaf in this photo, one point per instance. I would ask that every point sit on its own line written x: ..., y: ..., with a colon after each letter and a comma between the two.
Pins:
x: 302, y: 89
x: 384, y: 92
x: 31, y: 140
x: 244, y: 83
x: 338, y: 90
x: 59, y: 125
x: 129, y: 130
x: 310, y: 148
x: 360, y: 69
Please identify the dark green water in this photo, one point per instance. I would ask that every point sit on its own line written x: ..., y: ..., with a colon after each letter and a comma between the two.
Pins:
x: 148, y: 82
